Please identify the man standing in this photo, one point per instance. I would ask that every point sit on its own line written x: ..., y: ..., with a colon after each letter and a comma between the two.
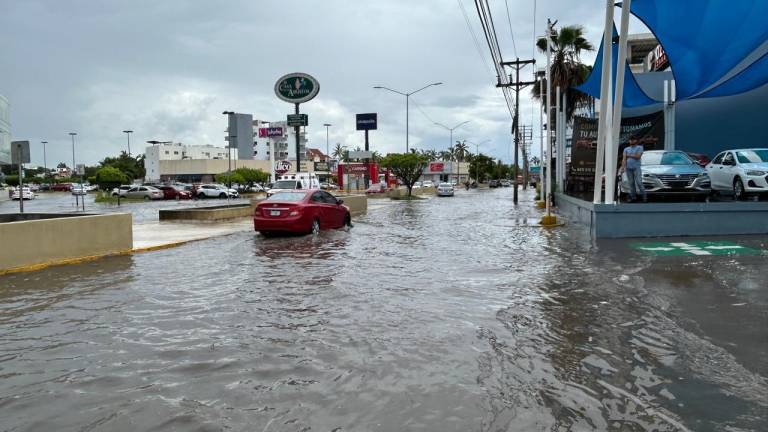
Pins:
x: 631, y: 165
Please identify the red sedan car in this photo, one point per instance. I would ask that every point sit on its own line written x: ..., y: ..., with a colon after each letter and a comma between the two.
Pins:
x: 170, y: 192
x: 300, y: 212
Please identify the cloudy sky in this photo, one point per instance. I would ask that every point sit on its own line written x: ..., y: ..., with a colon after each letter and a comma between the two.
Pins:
x: 167, y: 69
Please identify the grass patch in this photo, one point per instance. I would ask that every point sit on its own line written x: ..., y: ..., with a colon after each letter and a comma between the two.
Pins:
x: 105, y: 198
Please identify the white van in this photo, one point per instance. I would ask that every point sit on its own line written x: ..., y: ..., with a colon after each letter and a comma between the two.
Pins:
x: 290, y: 182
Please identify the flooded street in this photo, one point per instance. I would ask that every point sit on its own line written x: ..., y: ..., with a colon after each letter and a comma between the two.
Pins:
x: 447, y: 314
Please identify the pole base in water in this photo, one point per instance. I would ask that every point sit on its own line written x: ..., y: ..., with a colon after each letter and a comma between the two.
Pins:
x: 548, y: 220
x: 541, y: 204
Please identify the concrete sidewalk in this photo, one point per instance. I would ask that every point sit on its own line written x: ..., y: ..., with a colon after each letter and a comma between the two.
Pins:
x: 159, y: 235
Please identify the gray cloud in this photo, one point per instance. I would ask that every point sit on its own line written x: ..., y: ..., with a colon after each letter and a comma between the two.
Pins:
x: 166, y: 69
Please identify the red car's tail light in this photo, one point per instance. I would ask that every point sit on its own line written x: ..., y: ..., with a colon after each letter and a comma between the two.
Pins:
x: 294, y: 212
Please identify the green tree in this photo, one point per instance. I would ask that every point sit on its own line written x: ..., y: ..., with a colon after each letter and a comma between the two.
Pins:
x: 251, y: 176
x: 130, y: 165
x: 407, y: 167
x: 228, y: 179
x: 12, y: 180
x: 566, y: 68
x: 110, y: 177
x: 481, y: 167
x: 338, y: 151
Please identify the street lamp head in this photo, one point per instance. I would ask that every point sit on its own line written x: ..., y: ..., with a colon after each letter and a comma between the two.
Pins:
x: 43, y: 142
x: 73, y: 133
x: 327, y: 124
x: 437, y: 83
x: 377, y: 87
x: 227, y: 112
x: 127, y: 131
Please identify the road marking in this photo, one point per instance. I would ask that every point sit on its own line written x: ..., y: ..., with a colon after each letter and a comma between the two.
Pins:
x: 694, y: 248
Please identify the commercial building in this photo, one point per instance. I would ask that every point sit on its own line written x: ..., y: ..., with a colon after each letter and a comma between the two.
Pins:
x: 5, y: 132
x: 156, y: 154
x: 267, y: 134
x: 439, y: 171
x: 202, y: 170
x: 240, y: 135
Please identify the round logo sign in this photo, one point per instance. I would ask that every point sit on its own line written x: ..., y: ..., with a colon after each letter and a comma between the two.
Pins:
x: 282, y: 167
x: 296, y: 87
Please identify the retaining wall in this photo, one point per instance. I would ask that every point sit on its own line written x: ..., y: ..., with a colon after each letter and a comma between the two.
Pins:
x: 32, y: 241
x: 208, y: 214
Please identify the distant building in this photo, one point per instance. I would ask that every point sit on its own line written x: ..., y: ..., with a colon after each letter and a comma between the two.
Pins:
x: 315, y: 155
x: 240, y: 135
x: 5, y: 132
x: 177, y: 152
x: 266, y: 134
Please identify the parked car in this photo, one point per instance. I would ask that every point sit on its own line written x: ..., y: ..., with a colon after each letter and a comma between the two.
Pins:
x: 121, y: 190
x: 427, y: 183
x: 79, y: 189
x: 143, y: 192
x: 173, y: 192
x: 494, y: 184
x: 45, y: 187
x: 416, y: 185
x: 62, y: 187
x: 671, y: 173
x: 505, y: 183
x: 300, y: 212
x: 25, y: 193
x: 741, y: 172
x: 328, y: 186
x: 214, y: 191
x: 700, y: 158
x: 445, y: 189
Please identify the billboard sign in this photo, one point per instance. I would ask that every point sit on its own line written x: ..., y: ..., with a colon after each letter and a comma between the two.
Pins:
x: 584, y: 150
x: 436, y: 166
x: 282, y: 167
x: 355, y: 169
x: 297, y: 87
x: 322, y: 166
x: 366, y: 121
x: 270, y: 132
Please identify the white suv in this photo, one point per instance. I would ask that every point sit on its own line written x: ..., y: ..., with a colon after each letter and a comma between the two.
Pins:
x: 215, y: 191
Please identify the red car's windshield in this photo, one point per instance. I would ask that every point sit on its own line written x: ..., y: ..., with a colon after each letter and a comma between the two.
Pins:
x: 288, y: 196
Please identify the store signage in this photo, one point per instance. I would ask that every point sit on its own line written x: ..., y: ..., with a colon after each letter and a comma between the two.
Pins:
x: 270, y: 132
x: 436, y: 166
x: 659, y: 59
x: 360, y: 154
x: 298, y: 119
x: 355, y: 169
x: 366, y: 121
x: 322, y: 166
x: 297, y: 87
x: 282, y: 167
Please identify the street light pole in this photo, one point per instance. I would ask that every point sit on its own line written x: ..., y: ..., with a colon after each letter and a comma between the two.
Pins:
x: 477, y: 153
x: 407, y: 105
x: 128, y: 134
x: 327, y: 149
x: 45, y: 161
x: 450, y: 143
x: 72, y: 134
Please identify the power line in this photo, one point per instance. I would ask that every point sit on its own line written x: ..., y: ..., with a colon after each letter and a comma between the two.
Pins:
x: 509, y: 20
x: 418, y: 107
x: 474, y: 37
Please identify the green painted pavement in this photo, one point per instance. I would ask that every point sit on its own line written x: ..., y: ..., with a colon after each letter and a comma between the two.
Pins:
x: 694, y: 248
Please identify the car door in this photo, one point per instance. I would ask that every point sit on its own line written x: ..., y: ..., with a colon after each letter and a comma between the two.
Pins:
x: 320, y: 209
x: 132, y: 193
x: 335, y: 211
x: 715, y: 171
x: 729, y: 171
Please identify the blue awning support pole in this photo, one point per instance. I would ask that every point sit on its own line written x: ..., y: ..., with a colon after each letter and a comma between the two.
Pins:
x: 548, y: 176
x: 603, y: 123
x: 564, y: 141
x: 542, y: 192
x: 673, y: 112
x: 612, y: 145
x: 558, y: 141
x: 669, y: 114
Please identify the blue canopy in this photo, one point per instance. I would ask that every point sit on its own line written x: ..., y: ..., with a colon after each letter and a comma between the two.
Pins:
x: 633, y: 96
x: 715, y: 47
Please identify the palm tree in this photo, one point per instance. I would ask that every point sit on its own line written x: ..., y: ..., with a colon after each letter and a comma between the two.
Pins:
x: 535, y: 161
x: 566, y: 68
x: 459, y: 153
x: 338, y: 151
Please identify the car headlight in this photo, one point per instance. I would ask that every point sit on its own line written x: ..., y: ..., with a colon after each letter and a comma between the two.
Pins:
x: 703, y: 175
x: 649, y: 175
x: 756, y: 173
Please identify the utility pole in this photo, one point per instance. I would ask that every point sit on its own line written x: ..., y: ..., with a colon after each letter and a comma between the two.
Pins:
x: 517, y: 64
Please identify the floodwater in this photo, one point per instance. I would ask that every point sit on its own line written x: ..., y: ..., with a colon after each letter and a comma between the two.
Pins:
x: 440, y: 315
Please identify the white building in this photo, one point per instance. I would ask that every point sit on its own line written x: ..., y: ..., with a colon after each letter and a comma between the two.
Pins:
x: 164, y: 152
x: 285, y: 142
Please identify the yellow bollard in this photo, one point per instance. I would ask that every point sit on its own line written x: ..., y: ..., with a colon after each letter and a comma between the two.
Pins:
x: 548, y: 220
x: 541, y: 204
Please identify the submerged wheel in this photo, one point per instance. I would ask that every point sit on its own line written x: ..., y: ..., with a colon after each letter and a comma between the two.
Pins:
x: 315, y: 227
x: 738, y: 189
x: 147, y: 198
x: 347, y: 222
